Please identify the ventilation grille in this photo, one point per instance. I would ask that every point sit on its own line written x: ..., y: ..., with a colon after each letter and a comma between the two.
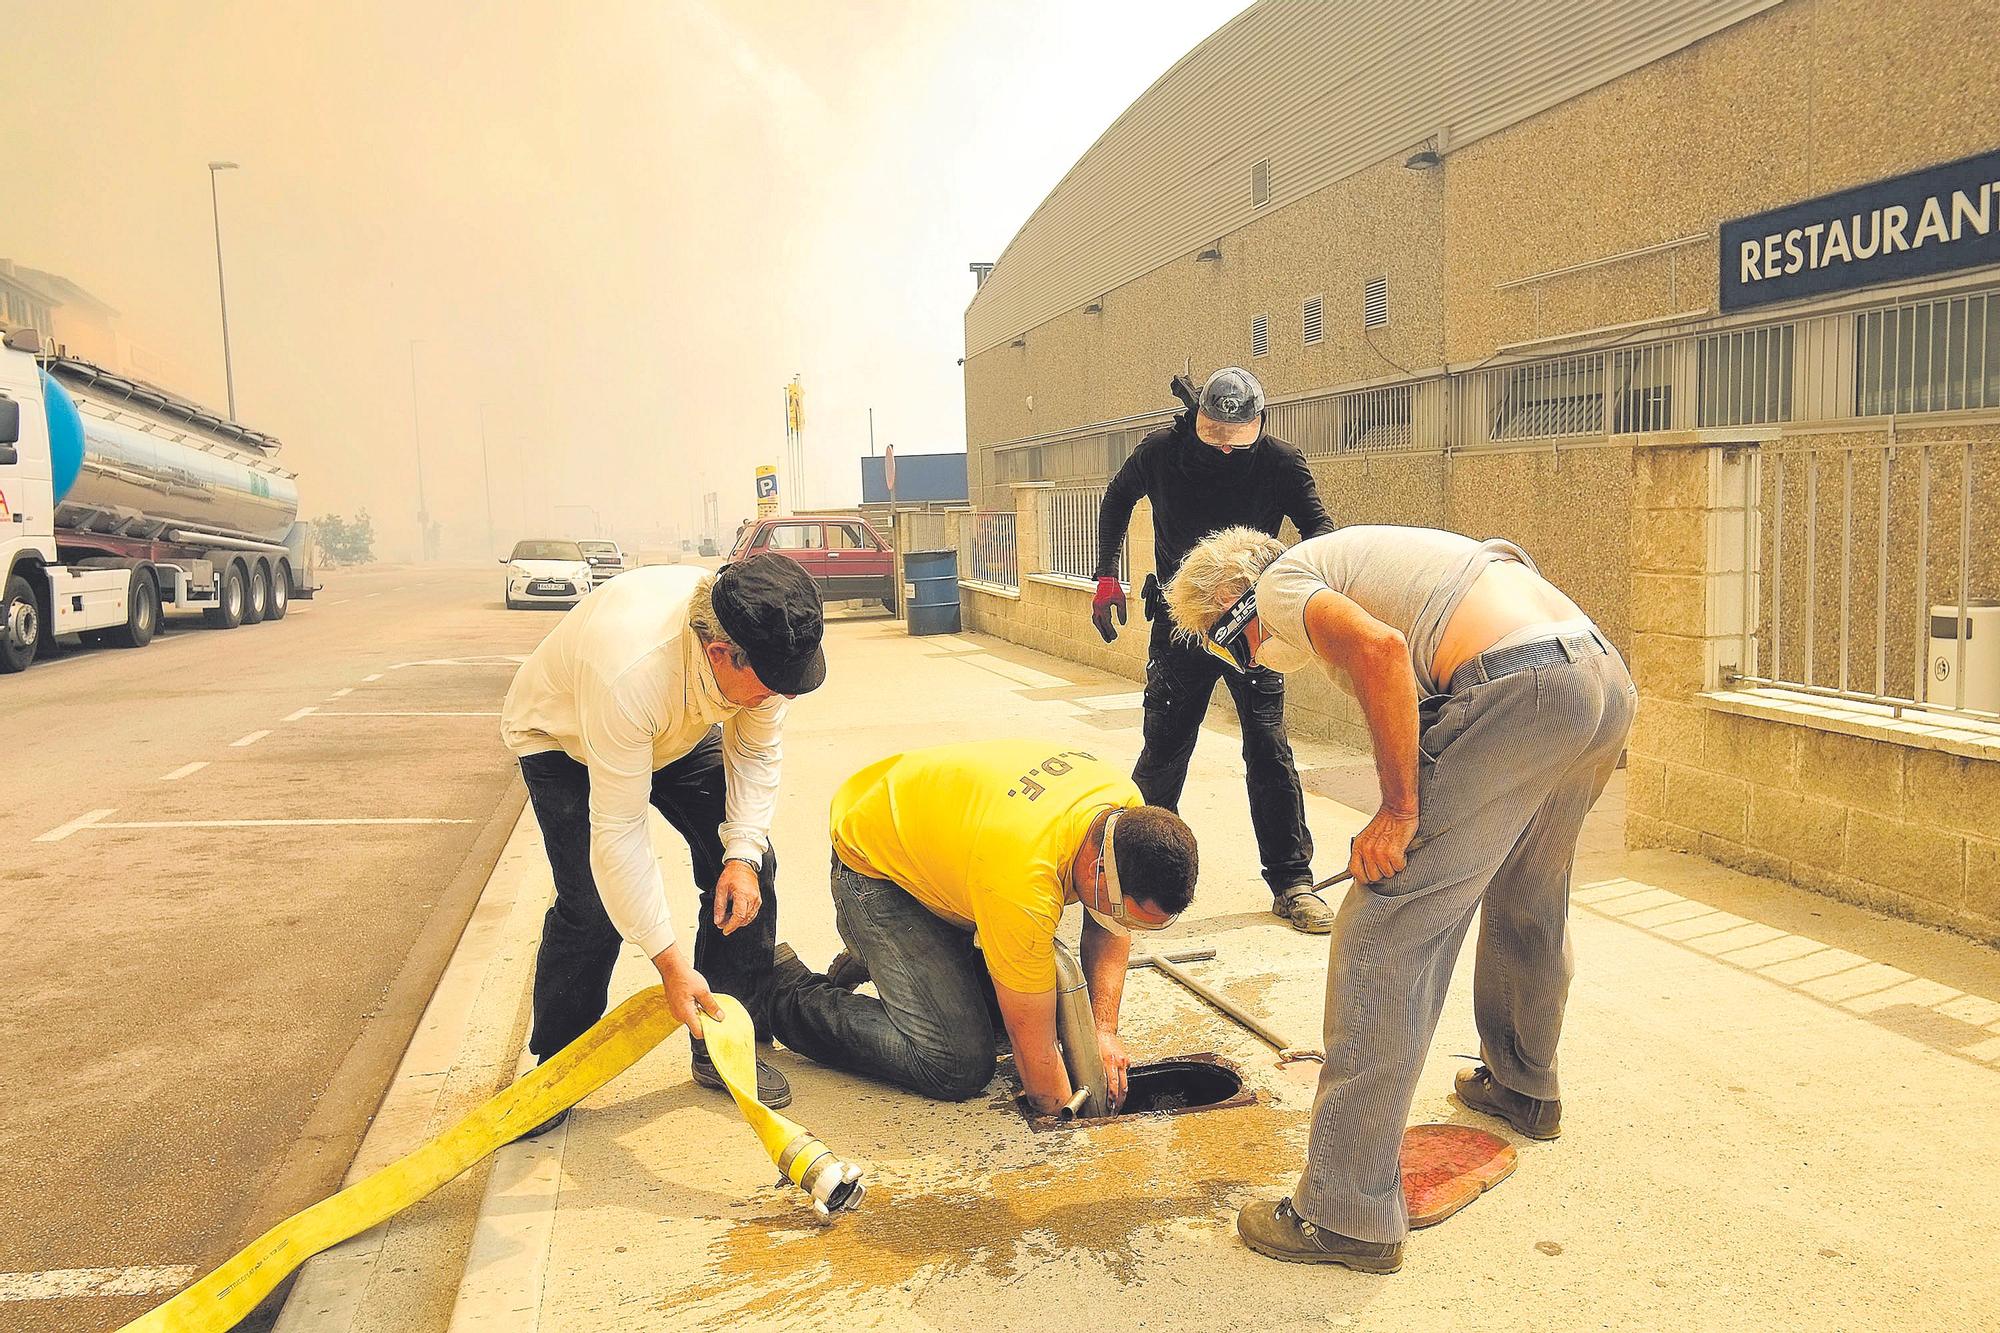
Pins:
x: 1260, y: 183
x: 1260, y: 335
x: 1314, y: 319
x: 1375, y: 303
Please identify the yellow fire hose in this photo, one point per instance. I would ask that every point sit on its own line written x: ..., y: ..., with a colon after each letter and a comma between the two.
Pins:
x: 217, y: 1302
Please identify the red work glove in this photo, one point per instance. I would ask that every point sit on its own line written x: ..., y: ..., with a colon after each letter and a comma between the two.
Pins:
x: 1110, y: 597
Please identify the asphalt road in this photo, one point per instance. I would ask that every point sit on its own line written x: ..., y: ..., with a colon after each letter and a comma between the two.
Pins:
x: 200, y: 1018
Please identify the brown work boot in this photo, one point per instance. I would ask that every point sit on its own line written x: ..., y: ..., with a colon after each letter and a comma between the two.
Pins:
x: 846, y: 971
x: 1271, y: 1228
x: 1538, y: 1119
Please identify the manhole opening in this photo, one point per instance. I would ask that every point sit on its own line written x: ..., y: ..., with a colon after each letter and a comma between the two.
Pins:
x: 1176, y: 1086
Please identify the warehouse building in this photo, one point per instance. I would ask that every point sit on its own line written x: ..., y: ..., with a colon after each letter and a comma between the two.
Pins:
x: 1698, y: 300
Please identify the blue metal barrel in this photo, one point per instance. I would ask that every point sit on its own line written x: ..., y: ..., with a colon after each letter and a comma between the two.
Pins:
x: 931, y: 580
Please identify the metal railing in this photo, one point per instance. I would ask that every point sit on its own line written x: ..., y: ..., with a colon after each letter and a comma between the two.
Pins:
x: 1067, y: 519
x: 1938, y: 354
x: 987, y: 549
x: 1866, y: 581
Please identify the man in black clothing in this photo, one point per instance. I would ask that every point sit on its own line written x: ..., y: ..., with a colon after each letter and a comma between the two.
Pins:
x: 1215, y: 468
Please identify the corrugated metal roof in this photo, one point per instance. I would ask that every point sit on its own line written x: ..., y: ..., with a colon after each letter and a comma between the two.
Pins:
x: 1320, y: 89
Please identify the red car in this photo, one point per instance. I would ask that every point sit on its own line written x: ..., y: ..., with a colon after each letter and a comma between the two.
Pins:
x: 844, y: 556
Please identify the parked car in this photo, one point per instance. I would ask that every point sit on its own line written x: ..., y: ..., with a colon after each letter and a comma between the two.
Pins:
x: 845, y: 557
x: 546, y: 573
x: 605, y: 559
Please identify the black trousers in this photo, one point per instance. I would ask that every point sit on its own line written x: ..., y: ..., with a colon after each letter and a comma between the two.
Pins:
x: 1179, y: 680
x: 579, y: 943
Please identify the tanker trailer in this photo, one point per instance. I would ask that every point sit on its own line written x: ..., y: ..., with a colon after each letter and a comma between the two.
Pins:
x: 122, y: 505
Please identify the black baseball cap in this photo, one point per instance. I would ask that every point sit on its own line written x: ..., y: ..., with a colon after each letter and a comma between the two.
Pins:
x: 769, y: 607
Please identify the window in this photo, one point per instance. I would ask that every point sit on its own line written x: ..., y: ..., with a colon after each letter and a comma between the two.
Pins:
x: 1260, y: 183
x: 846, y: 537
x: 1313, y: 318
x: 1642, y: 390
x: 1551, y: 398
x: 1745, y: 377
x: 1260, y: 336
x: 1373, y: 420
x: 1375, y: 303
x: 793, y: 537
x: 1940, y: 356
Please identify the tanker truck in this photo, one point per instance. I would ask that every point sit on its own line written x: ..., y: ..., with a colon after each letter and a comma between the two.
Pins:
x: 123, y: 505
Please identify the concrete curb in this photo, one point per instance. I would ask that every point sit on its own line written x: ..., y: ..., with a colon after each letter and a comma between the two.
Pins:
x: 464, y: 1049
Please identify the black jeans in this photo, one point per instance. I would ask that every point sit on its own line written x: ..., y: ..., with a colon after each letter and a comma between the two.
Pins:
x: 933, y: 1029
x: 1179, y: 680
x: 579, y: 943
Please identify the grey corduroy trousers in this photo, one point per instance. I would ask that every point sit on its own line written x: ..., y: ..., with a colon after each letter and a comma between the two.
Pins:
x: 1508, y: 770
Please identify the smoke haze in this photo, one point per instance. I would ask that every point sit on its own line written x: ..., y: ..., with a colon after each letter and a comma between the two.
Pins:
x: 615, y: 230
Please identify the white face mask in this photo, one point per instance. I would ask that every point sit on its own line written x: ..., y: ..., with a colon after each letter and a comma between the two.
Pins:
x: 1277, y: 655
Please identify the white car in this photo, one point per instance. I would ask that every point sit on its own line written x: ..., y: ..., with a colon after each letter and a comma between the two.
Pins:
x: 546, y: 573
x: 606, y: 560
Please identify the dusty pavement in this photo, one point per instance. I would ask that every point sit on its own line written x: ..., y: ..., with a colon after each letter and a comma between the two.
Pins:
x: 1778, y: 1109
x: 200, y: 1019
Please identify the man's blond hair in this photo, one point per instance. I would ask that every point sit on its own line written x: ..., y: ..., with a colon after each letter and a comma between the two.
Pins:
x: 705, y: 623
x: 1216, y: 573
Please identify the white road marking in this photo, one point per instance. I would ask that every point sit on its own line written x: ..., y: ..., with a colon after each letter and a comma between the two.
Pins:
x: 341, y: 694
x: 57, y: 1284
x: 338, y: 601
x: 184, y: 770
x: 374, y: 594
x: 366, y: 679
x: 408, y: 713
x: 303, y: 712
x: 95, y: 820
x: 251, y: 739
x: 82, y: 821
x: 486, y: 659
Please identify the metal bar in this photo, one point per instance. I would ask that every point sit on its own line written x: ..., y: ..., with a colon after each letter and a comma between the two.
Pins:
x: 1882, y: 576
x: 1881, y: 701
x: 1812, y: 565
x: 1256, y: 1026
x: 1964, y: 565
x: 1846, y: 556
x: 1918, y: 687
x: 1753, y: 501
x: 1778, y: 571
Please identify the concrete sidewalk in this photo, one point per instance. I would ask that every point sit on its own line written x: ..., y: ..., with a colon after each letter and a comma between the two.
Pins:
x: 1778, y: 1110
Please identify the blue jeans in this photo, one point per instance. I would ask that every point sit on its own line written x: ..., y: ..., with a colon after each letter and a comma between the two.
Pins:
x: 580, y: 945
x: 933, y: 1029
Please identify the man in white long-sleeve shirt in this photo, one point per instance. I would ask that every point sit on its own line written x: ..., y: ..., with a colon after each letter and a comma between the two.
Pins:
x: 667, y: 687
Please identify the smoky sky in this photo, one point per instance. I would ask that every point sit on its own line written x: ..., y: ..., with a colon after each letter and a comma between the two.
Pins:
x: 612, y: 230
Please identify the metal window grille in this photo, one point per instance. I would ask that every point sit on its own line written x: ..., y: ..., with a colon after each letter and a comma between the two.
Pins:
x: 1260, y: 183
x: 988, y: 552
x: 1745, y: 376
x: 1934, y: 356
x: 1548, y: 399
x: 1067, y: 517
x: 1313, y: 319
x: 1260, y: 335
x: 1374, y: 421
x: 1860, y: 554
x: 1642, y: 389
x: 1375, y: 303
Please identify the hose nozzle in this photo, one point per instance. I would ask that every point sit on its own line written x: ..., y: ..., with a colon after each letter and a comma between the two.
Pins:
x: 835, y: 1186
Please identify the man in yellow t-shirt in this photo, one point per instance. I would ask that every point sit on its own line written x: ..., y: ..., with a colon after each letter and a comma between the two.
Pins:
x: 942, y: 852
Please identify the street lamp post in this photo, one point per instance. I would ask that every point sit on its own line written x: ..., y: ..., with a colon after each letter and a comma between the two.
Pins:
x: 417, y: 438
x: 221, y: 288
x: 486, y: 471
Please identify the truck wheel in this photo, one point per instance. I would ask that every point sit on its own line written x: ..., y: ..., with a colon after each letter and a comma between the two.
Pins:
x: 281, y: 592
x: 230, y: 613
x: 259, y: 599
x: 142, y: 615
x: 20, y: 625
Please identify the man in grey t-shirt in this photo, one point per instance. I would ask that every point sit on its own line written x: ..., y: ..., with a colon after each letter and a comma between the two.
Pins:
x: 1497, y: 713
